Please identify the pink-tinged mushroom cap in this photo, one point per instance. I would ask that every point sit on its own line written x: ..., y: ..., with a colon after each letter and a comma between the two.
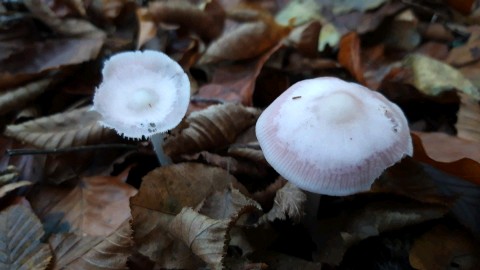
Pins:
x: 332, y: 137
x: 142, y: 93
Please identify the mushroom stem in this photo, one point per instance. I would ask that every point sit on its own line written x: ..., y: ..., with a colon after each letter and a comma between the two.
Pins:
x: 157, y: 142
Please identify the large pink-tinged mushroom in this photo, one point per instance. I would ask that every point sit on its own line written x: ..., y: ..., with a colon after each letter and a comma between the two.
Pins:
x: 331, y: 137
x: 143, y: 94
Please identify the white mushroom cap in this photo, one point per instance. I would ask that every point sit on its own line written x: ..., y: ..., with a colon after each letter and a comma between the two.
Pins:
x: 332, y: 137
x: 142, y: 93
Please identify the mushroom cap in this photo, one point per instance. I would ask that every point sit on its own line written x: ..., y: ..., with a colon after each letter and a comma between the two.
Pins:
x: 332, y: 137
x: 142, y: 93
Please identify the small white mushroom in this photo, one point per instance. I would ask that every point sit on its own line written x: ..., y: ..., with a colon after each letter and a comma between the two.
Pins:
x: 331, y: 137
x: 143, y: 94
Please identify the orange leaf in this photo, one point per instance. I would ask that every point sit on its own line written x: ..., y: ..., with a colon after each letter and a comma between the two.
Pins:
x: 349, y: 56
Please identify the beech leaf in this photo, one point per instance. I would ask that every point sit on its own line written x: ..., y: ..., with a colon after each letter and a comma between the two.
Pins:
x: 163, y: 194
x: 20, y: 245
x: 73, y: 251
x: 74, y: 128
x: 206, y: 237
x: 215, y: 127
x: 288, y: 202
x: 468, y: 119
x: 18, y: 97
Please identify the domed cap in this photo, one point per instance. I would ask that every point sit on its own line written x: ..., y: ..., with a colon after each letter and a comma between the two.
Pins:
x: 142, y: 93
x: 332, y: 137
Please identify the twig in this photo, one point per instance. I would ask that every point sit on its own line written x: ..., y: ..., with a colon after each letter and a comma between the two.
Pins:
x: 18, y: 152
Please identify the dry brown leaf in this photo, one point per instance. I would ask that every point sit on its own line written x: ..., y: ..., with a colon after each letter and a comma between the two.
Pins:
x: 446, y: 148
x: 248, y: 40
x: 288, y: 203
x: 214, y: 127
x: 445, y: 248
x: 361, y: 220
x: 250, y: 151
x: 20, y: 244
x: 464, y: 168
x: 305, y: 38
x: 164, y: 192
x: 207, y: 23
x: 96, y: 206
x: 147, y: 27
x: 74, y: 128
x: 349, y: 56
x: 468, y: 52
x: 69, y: 26
x: 206, y: 237
x: 468, y: 119
x: 226, y: 204
x: 16, y: 98
x: 236, y: 82
x: 73, y: 251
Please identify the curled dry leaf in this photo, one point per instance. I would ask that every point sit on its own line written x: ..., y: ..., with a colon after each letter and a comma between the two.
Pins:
x: 206, y: 237
x: 442, y: 247
x: 20, y: 243
x: 207, y: 23
x: 250, y: 151
x: 288, y: 203
x: 98, y: 205
x: 16, y: 98
x: 73, y: 251
x: 432, y: 77
x: 468, y: 119
x: 147, y: 27
x: 215, y: 127
x: 248, y: 40
x: 163, y: 194
x: 74, y: 128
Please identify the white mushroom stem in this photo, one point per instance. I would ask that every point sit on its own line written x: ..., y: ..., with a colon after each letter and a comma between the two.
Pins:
x: 157, y: 142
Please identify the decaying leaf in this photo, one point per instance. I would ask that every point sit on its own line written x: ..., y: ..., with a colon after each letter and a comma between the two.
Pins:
x: 73, y: 251
x: 74, y: 128
x: 288, y: 203
x: 468, y: 119
x: 432, y: 77
x: 96, y: 206
x: 445, y: 248
x: 249, y: 40
x: 206, y: 237
x: 163, y: 194
x: 214, y: 127
x: 18, y: 97
x: 20, y: 244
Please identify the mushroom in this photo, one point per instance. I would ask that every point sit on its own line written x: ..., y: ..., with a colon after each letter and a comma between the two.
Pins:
x: 332, y: 137
x: 143, y: 94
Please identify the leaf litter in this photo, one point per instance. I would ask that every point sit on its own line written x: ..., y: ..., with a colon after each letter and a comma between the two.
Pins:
x: 76, y: 195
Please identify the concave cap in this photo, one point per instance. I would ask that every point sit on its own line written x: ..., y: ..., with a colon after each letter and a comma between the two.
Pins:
x: 332, y: 137
x: 142, y: 93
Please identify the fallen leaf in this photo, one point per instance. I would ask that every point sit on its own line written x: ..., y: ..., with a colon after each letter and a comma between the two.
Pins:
x: 163, y: 194
x: 236, y: 82
x: 288, y: 203
x: 207, y: 22
x: 20, y: 243
x: 4, y: 189
x: 206, y: 237
x: 329, y: 35
x: 346, y: 6
x: 300, y: 12
x: 445, y: 248
x: 433, y: 77
x: 349, y: 56
x: 247, y: 41
x: 147, y: 27
x: 446, y: 148
x: 214, y: 127
x: 73, y: 251
x: 96, y: 206
x: 279, y: 261
x: 468, y: 119
x: 74, y: 128
x: 16, y: 98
